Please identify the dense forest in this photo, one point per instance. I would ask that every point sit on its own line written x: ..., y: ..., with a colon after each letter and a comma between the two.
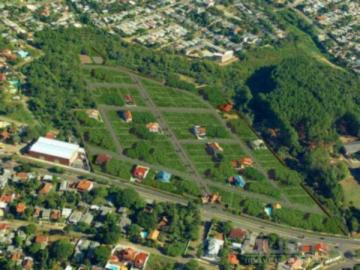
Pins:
x: 308, y: 101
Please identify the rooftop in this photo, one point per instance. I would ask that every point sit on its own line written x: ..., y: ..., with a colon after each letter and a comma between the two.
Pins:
x: 53, y: 147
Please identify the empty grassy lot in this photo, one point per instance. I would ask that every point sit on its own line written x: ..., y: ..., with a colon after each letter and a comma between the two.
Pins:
x: 99, y: 74
x: 164, y: 96
x: 116, y: 96
x: 182, y: 123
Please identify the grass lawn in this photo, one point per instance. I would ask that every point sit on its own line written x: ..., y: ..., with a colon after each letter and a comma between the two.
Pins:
x: 115, y: 96
x: 164, y: 96
x: 162, y: 151
x: 182, y: 123
x: 104, y: 75
x: 241, y: 128
x: 352, y: 191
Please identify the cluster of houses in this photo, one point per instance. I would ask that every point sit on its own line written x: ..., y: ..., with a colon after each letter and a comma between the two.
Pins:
x: 339, y: 22
x: 241, y: 242
x: 164, y: 23
x: 153, y: 127
x: 125, y: 258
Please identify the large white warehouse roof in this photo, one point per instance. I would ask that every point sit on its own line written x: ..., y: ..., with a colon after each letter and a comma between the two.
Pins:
x: 55, y: 148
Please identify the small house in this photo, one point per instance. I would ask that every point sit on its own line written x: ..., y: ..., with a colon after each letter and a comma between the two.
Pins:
x: 214, y: 148
x: 46, y: 188
x: 237, y: 181
x: 199, y: 132
x: 163, y: 177
x: 20, y: 208
x: 129, y: 100
x: 102, y: 159
x: 127, y: 116
x: 84, y: 186
x: 153, y: 127
x: 140, y: 172
x: 258, y: 144
x: 226, y: 107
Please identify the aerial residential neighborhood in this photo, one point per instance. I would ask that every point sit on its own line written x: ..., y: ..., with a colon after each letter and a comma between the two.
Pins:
x: 179, y: 135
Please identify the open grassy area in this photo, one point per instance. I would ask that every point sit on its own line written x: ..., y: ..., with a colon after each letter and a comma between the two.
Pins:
x: 158, y: 262
x: 116, y: 96
x: 164, y: 96
x: 155, y: 148
x: 352, y: 191
x: 104, y: 75
x: 182, y: 123
x: 240, y: 127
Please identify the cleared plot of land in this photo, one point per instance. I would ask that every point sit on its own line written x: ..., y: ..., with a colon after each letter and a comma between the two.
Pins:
x: 168, y: 97
x: 116, y: 96
x: 352, y: 191
x: 103, y: 75
x: 241, y: 128
x: 182, y: 123
x: 139, y: 143
x: 94, y: 132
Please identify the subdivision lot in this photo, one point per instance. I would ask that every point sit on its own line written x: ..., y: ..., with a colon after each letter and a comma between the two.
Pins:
x: 99, y: 74
x: 116, y: 95
x: 182, y: 124
x: 156, y: 148
x: 168, y: 97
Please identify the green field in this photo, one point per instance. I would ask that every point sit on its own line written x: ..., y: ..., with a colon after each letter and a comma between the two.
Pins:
x: 182, y: 123
x: 168, y: 97
x: 104, y: 75
x: 115, y: 96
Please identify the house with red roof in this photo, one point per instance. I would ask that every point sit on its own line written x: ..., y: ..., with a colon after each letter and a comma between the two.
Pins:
x: 102, y: 159
x: 127, y: 116
x: 214, y: 148
x: 140, y: 172
x: 226, y: 107
x: 140, y: 260
x: 153, y: 127
x: 84, y: 186
x: 20, y: 208
x: 233, y: 259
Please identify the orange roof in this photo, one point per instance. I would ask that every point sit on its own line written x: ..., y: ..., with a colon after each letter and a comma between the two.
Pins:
x: 227, y: 107
x: 154, y: 235
x: 7, y: 198
x: 50, y: 135
x: 84, y: 185
x: 102, y: 159
x: 20, y: 208
x: 16, y: 255
x: 127, y: 116
x: 55, y: 215
x: 305, y: 248
x: 5, y: 134
x: 321, y: 247
x: 41, y: 239
x: 233, y: 260
x: 246, y: 161
x: 23, y: 176
x: 2, y: 77
x: 46, y: 188
x: 140, y: 260
x: 140, y: 172
x: 4, y: 226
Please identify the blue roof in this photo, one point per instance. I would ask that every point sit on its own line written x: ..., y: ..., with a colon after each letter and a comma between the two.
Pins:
x: 268, y: 210
x: 239, y: 181
x: 163, y: 176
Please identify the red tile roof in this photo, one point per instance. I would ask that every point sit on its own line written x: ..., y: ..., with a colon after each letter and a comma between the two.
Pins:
x: 20, y: 208
x: 140, y: 260
x: 232, y: 259
x: 227, y: 107
x: 41, y: 239
x: 102, y: 159
x: 84, y: 185
x: 140, y: 172
x: 237, y: 234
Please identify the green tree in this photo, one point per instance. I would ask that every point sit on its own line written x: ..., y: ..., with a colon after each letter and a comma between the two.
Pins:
x: 61, y: 250
x: 101, y: 255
